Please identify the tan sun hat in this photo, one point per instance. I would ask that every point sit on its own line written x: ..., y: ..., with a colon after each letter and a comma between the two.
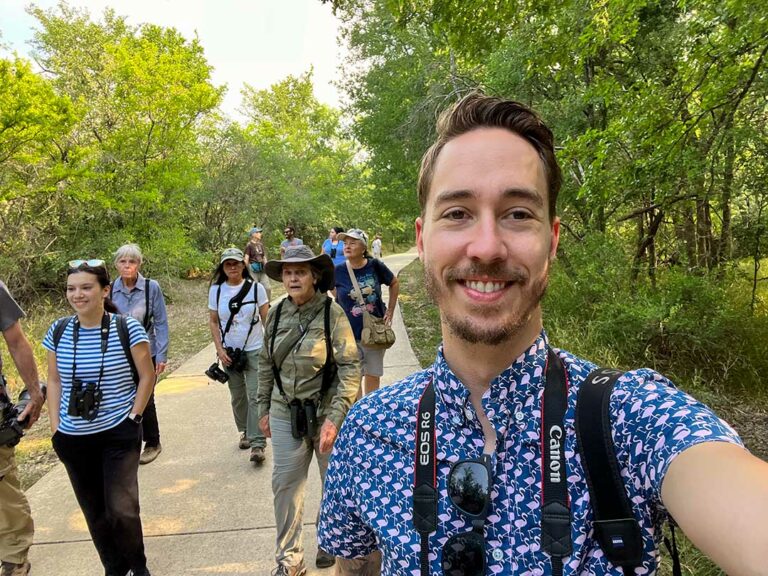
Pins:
x: 303, y: 255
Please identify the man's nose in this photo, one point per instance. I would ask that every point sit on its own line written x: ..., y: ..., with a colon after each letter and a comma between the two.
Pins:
x: 487, y: 241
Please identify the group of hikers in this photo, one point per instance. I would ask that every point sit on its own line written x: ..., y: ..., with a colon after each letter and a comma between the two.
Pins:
x: 505, y: 456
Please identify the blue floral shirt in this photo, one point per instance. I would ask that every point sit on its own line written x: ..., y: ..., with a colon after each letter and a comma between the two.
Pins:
x: 367, y: 503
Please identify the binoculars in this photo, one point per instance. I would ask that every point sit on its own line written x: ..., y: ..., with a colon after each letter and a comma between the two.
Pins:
x: 84, y: 400
x: 303, y: 418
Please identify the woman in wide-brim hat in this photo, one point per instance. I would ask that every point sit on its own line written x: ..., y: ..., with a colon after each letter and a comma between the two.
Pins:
x: 292, y: 366
x: 237, y: 309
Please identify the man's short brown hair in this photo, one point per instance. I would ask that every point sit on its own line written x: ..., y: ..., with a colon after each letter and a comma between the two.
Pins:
x: 480, y: 111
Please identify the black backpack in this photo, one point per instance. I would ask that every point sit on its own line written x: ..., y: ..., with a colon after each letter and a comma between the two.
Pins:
x: 122, y: 332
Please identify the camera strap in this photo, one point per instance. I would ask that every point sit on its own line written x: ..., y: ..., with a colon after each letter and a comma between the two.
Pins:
x: 328, y: 370
x: 425, y: 495
x: 105, y: 325
x: 234, y: 306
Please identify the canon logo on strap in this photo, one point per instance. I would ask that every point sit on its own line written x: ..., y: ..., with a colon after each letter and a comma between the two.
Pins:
x: 555, y: 438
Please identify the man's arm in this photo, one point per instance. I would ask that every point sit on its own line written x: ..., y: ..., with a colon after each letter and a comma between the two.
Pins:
x: 718, y: 494
x: 24, y: 358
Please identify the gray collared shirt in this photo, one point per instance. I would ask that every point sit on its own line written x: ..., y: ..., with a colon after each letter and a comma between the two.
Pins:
x: 132, y: 303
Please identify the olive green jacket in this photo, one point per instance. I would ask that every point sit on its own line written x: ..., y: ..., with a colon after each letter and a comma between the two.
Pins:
x: 300, y: 372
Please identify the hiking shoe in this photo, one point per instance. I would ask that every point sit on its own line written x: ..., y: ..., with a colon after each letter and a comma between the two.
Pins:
x: 257, y: 454
x: 324, y: 560
x: 11, y: 569
x: 243, y: 444
x: 281, y: 570
x: 150, y: 453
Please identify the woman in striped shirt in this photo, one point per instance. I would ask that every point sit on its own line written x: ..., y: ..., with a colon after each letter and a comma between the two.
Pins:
x: 95, y: 405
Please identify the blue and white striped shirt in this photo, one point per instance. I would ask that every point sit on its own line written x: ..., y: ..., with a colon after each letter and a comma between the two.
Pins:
x: 117, y: 385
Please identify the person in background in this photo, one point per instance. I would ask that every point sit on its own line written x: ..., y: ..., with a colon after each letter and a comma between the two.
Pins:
x: 256, y: 258
x: 16, y: 525
x: 370, y: 274
x: 290, y: 240
x: 334, y: 247
x: 96, y: 408
x: 376, y: 246
x: 295, y: 368
x: 237, y: 310
x: 142, y: 298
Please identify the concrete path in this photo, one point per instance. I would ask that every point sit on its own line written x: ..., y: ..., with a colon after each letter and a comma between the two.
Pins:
x: 205, y: 508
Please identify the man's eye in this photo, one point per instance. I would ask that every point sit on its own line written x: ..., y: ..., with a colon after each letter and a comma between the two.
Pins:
x: 520, y: 214
x: 456, y: 214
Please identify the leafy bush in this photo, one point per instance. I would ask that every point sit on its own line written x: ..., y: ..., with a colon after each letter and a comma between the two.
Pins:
x: 695, y: 329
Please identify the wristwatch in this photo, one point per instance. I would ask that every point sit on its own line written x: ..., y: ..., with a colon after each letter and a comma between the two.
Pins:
x: 137, y: 418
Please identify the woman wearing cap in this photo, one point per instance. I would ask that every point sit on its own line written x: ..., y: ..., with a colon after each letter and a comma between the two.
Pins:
x: 96, y: 406
x: 298, y: 367
x: 142, y: 298
x: 370, y: 273
x: 237, y: 310
x: 334, y: 247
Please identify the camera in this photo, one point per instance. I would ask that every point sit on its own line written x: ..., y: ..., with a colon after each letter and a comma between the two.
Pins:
x: 84, y: 400
x: 216, y: 373
x: 238, y: 358
x: 303, y: 418
x: 11, y: 430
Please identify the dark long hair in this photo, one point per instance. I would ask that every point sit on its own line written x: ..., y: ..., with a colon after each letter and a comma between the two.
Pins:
x: 219, y: 276
x: 102, y: 276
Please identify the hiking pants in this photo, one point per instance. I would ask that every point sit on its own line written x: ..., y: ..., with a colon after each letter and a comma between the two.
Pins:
x: 103, y: 469
x: 243, y: 387
x: 263, y: 279
x: 291, y: 459
x: 16, y: 526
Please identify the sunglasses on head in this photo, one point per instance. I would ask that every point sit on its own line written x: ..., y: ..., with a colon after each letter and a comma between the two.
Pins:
x: 469, y: 489
x: 93, y: 263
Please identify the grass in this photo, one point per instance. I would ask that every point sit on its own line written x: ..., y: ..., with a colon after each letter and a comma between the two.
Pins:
x: 422, y: 321
x: 186, y: 302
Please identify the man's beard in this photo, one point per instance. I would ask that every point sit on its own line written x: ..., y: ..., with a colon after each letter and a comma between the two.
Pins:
x: 482, y: 331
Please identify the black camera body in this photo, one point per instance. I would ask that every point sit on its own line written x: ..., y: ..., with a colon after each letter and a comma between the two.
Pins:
x: 238, y: 358
x: 11, y: 430
x: 216, y: 373
x: 303, y: 418
x: 84, y: 400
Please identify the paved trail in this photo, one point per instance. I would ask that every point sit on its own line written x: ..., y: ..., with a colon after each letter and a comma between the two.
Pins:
x: 205, y: 508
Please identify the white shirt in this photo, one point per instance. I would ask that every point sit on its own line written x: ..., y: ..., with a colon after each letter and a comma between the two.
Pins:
x: 248, y: 313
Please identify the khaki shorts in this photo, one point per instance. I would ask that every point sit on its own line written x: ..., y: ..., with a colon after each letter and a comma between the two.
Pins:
x: 371, y: 360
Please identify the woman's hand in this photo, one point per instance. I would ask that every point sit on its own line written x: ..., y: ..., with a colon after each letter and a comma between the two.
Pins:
x: 388, y: 316
x: 264, y: 425
x: 223, y: 356
x: 160, y: 368
x: 328, y: 435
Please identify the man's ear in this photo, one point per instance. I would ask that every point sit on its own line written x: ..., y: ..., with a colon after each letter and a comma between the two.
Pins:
x: 420, y: 237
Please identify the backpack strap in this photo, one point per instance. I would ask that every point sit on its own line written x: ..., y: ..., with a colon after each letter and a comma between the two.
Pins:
x: 330, y: 367
x: 125, y: 341
x: 58, y: 331
x: 616, y: 529
x: 234, y: 305
x: 147, y: 310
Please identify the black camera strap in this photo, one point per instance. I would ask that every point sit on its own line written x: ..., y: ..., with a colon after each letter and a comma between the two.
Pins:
x: 328, y: 370
x: 105, y: 325
x: 425, y: 474
x: 234, y: 305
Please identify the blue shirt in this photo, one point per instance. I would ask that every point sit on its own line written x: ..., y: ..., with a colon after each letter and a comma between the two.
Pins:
x: 117, y: 385
x: 367, y: 502
x: 370, y: 278
x: 337, y: 256
x: 133, y: 303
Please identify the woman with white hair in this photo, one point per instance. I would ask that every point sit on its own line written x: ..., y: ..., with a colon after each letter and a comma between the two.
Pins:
x: 139, y: 297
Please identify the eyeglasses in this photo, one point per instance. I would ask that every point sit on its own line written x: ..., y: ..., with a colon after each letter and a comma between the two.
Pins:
x: 93, y: 263
x: 469, y: 489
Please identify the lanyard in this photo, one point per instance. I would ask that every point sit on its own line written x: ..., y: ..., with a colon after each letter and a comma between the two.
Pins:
x: 556, y: 524
x: 105, y: 325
